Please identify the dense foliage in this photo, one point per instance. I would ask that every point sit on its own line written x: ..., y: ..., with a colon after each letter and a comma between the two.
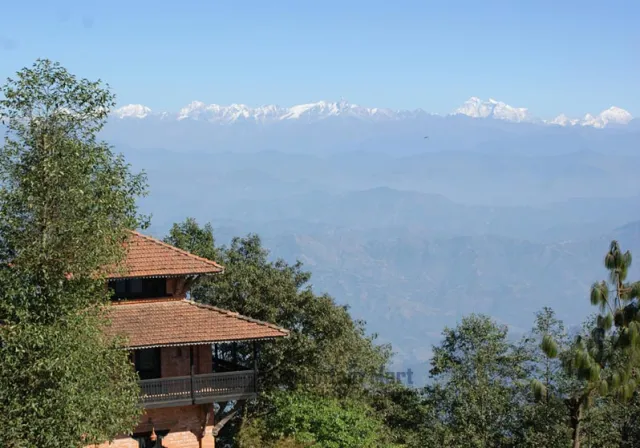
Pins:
x: 66, y: 204
x: 313, y: 420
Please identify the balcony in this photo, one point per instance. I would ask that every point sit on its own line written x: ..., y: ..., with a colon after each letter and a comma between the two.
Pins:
x: 198, y: 389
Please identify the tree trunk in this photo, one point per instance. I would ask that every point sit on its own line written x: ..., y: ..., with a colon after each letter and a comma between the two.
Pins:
x: 576, y: 434
x: 626, y: 431
x: 575, y: 410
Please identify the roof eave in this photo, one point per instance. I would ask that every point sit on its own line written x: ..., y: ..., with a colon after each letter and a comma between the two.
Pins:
x: 186, y: 344
x: 178, y: 275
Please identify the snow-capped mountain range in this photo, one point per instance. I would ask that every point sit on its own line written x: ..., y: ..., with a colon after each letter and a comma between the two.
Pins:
x: 474, y: 107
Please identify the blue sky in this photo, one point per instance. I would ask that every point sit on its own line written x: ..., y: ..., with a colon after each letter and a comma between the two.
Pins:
x: 551, y: 56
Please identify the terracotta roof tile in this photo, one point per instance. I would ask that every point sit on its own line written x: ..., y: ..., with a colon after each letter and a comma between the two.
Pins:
x: 149, y: 257
x: 183, y: 322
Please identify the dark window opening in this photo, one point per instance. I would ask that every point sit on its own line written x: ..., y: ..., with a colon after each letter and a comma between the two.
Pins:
x: 138, y: 288
x: 144, y: 439
x: 147, y: 362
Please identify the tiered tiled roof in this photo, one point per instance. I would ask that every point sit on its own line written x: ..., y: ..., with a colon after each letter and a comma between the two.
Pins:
x: 149, y: 257
x: 162, y: 323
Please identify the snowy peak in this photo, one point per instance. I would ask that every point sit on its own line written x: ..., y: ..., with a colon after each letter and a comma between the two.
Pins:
x: 323, y: 109
x: 563, y: 120
x: 615, y: 115
x: 198, y: 110
x: 476, y: 108
x: 132, y: 111
x: 612, y: 116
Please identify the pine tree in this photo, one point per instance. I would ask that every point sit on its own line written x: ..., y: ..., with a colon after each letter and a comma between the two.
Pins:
x: 603, y: 359
x: 615, y: 344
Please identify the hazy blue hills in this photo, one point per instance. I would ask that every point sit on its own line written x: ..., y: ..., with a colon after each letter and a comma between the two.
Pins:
x: 466, y: 177
x: 408, y: 286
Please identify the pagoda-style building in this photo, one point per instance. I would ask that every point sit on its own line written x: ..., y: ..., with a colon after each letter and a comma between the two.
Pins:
x: 177, y: 345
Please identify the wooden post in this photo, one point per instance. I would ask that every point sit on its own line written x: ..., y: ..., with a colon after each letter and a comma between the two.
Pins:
x: 255, y: 367
x: 234, y: 352
x: 179, y: 287
x: 193, y: 398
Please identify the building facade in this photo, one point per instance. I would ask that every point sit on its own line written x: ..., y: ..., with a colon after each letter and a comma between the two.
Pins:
x: 184, y: 352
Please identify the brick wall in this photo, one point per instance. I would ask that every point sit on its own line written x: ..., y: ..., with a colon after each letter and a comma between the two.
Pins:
x: 175, y: 360
x: 184, y: 424
x: 204, y: 359
x: 176, y: 287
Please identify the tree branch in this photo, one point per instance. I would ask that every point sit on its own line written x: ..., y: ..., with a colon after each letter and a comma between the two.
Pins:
x: 232, y: 413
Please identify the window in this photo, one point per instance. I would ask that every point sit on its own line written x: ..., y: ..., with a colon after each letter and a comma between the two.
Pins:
x: 139, y: 288
x: 147, y: 362
x: 120, y: 286
x: 144, y: 439
x: 135, y: 286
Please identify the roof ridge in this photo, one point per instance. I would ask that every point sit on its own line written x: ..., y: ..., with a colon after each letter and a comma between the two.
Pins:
x: 237, y: 315
x: 175, y: 249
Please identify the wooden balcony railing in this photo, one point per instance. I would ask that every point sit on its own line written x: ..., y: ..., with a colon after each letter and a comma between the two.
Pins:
x: 197, y: 389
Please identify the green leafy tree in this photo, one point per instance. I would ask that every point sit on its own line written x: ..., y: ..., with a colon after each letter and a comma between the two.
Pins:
x: 66, y: 203
x: 322, y: 422
x: 545, y: 420
x: 612, y: 423
x: 189, y: 236
x: 404, y: 411
x: 478, y: 377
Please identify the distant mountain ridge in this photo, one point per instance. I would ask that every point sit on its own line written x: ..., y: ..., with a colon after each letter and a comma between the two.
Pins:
x: 474, y: 108
x: 197, y: 110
